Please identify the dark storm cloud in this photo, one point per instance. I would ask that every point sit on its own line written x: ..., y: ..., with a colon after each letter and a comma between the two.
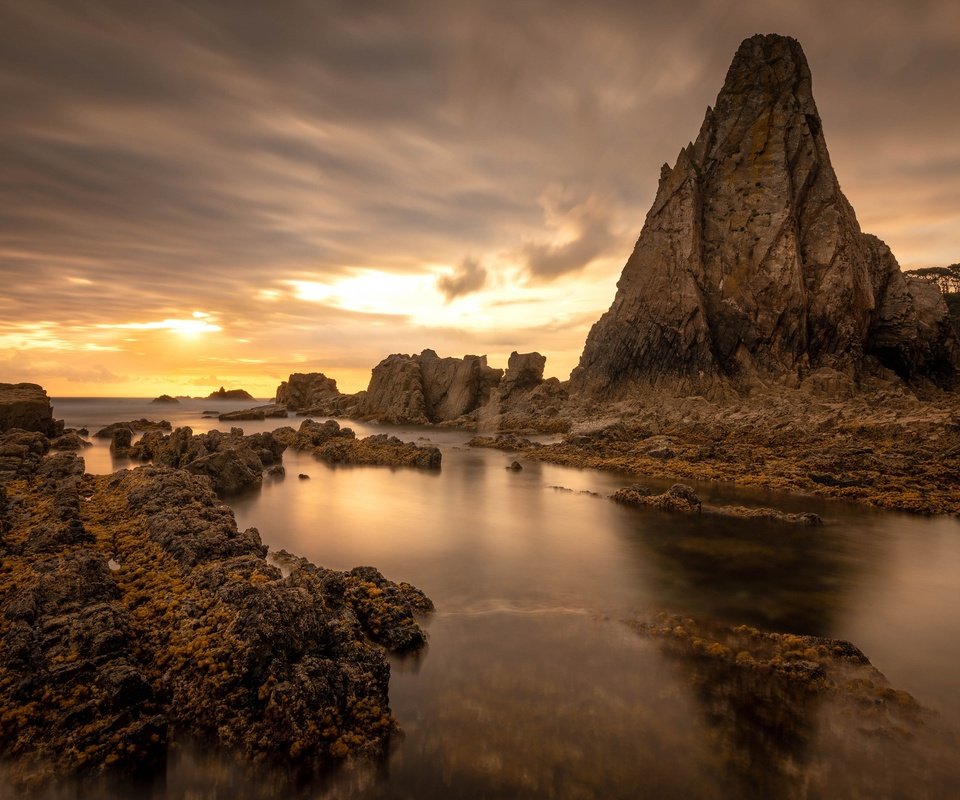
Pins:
x: 189, y: 154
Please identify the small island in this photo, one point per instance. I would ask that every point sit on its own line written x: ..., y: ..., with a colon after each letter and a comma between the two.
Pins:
x: 230, y: 394
x: 165, y: 399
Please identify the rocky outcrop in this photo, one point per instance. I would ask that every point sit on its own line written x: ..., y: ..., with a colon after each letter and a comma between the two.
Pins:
x: 256, y: 413
x: 684, y: 499
x: 192, y: 630
x: 69, y: 440
x: 751, y: 266
x: 524, y: 372
x: 302, y: 391
x: 26, y: 406
x: 231, y: 462
x: 378, y: 450
x: 134, y: 426
x: 230, y: 394
x: 335, y: 445
x: 312, y: 434
x: 165, y: 399
x: 425, y: 388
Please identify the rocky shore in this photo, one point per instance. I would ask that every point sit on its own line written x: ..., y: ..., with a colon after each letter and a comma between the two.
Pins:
x: 887, y: 449
x: 134, y: 610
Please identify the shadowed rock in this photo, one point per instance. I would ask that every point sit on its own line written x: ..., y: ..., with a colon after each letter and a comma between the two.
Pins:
x: 25, y: 406
x: 306, y: 390
x: 751, y: 264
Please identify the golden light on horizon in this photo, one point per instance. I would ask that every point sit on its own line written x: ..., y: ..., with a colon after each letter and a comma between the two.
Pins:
x: 185, y: 327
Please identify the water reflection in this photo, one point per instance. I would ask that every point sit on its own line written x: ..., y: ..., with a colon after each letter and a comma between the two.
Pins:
x: 532, y: 686
x: 774, y: 576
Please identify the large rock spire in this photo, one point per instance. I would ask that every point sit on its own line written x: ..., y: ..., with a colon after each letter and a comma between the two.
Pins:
x: 751, y: 264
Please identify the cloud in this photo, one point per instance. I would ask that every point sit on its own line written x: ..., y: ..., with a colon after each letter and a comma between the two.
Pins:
x: 586, y: 225
x: 469, y: 276
x: 162, y: 157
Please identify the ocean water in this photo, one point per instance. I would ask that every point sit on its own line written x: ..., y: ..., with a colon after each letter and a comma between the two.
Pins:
x: 533, y: 683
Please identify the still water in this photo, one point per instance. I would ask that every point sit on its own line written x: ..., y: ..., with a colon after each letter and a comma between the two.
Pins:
x: 532, y: 684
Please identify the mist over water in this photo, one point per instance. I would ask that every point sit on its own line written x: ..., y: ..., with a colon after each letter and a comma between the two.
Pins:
x: 532, y: 685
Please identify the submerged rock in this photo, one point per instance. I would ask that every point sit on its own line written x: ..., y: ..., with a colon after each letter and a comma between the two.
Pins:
x: 684, y: 499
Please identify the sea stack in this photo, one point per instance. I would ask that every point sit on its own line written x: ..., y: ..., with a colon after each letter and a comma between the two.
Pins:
x: 751, y: 267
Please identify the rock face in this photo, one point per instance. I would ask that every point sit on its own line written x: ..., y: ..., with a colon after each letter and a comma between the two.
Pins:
x: 305, y: 390
x: 524, y: 372
x: 426, y: 388
x: 27, y: 407
x: 751, y: 264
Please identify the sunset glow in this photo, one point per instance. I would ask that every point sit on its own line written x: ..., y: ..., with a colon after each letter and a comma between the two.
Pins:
x: 248, y: 200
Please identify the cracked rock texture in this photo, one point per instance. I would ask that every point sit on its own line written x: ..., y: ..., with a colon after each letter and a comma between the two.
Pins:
x: 751, y: 265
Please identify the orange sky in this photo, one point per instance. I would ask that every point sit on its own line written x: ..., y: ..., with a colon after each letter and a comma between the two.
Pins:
x: 196, y: 194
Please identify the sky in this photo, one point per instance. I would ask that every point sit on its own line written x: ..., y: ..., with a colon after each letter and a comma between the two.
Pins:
x: 196, y: 194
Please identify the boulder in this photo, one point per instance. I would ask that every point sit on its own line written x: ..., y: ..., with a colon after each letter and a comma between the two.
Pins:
x: 306, y: 390
x: 751, y: 266
x: 25, y: 406
x: 232, y: 469
x: 69, y: 441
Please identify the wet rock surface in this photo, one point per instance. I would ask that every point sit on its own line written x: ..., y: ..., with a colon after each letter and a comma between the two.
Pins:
x: 684, y: 499
x: 232, y: 462
x: 190, y: 630
x: 335, y: 445
x: 884, y: 448
x: 25, y: 406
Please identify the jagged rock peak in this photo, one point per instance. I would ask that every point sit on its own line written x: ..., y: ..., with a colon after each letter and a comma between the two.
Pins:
x: 751, y: 264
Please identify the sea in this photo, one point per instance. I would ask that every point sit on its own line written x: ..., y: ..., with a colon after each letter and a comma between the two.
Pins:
x: 535, y: 682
